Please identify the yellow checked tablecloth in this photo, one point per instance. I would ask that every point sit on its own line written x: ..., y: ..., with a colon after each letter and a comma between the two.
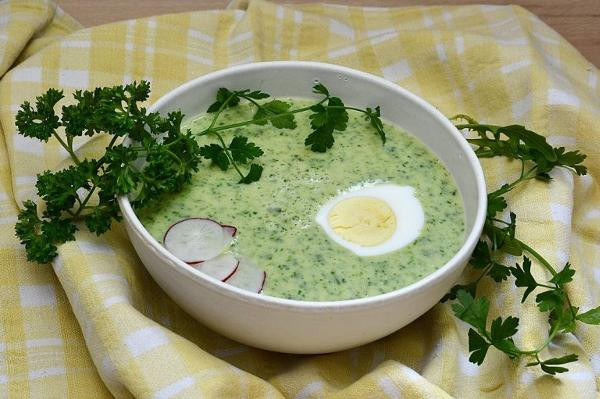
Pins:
x: 95, y: 324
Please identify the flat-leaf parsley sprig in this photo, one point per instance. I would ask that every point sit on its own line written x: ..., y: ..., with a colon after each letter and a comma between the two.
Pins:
x: 327, y: 116
x: 87, y: 191
x: 537, y: 159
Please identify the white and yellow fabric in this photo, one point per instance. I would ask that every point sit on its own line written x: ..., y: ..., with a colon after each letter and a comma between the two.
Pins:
x: 94, y: 323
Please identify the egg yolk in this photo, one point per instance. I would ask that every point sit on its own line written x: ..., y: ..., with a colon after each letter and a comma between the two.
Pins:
x: 365, y: 221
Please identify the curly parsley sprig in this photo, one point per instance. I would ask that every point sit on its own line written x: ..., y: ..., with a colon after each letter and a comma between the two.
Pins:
x: 537, y: 159
x: 87, y: 191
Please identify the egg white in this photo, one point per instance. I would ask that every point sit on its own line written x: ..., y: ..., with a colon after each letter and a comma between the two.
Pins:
x: 407, y: 209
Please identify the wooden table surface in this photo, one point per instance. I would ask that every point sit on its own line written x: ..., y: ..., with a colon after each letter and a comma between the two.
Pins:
x: 576, y: 20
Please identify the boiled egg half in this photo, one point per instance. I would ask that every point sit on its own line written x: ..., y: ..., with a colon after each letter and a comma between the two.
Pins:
x: 373, y: 219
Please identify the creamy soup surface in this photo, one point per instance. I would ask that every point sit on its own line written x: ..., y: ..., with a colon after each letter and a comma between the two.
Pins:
x: 275, y: 216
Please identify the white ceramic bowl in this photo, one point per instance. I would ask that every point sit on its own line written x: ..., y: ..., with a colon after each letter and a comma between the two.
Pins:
x: 303, y: 326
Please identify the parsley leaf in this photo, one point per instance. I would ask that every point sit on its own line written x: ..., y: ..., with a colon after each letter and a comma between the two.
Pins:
x: 512, y: 245
x: 470, y: 288
x: 39, y: 122
x: 320, y: 89
x: 338, y: 116
x: 216, y: 154
x: 499, y: 272
x: 120, y: 174
x: 242, y: 151
x: 571, y: 159
x: 239, y: 151
x: 320, y: 139
x: 549, y: 366
x: 478, y: 347
x: 59, y: 189
x: 40, y: 237
x: 223, y: 95
x: 253, y: 174
x: 100, y: 218
x: 324, y: 121
x: 564, y: 276
x: 563, y: 318
x: 232, y: 98
x: 501, y: 333
x: 255, y: 94
x: 496, y: 204
x: 499, y: 336
x: 550, y: 300
x: 592, y: 316
x: 470, y: 310
x: 524, y: 278
x: 504, y: 237
x: 373, y: 116
x: 480, y: 258
x: 275, y: 107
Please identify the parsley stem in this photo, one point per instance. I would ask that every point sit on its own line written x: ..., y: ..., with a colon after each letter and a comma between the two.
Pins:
x: 67, y: 148
x: 464, y: 117
x: 101, y: 160
x: 259, y: 120
x: 522, y: 169
x: 252, y: 101
x: 221, y: 108
x: 508, y: 187
x: 173, y: 142
x: 539, y: 257
x: 475, y: 126
x: 171, y: 153
x: 346, y: 107
x: 70, y: 142
x: 484, y: 273
x: 112, y: 141
x: 85, y: 201
x: 212, y: 130
x: 228, y: 154
x: 551, y: 336
x: 570, y: 305
x: 546, y: 286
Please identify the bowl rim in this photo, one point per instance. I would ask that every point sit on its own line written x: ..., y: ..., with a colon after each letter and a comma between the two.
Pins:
x: 318, y: 306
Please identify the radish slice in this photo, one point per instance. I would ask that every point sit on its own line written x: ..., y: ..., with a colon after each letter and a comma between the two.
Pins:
x: 195, y: 240
x: 231, y: 230
x: 248, y: 277
x: 221, y: 267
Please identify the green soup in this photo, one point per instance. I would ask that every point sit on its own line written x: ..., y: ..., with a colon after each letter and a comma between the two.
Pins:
x: 275, y: 216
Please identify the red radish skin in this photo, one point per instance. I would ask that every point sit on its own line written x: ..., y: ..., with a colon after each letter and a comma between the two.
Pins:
x: 232, y: 272
x: 194, y: 240
x: 262, y: 286
x: 231, y: 230
x: 183, y: 220
x: 248, y: 277
x: 221, y: 268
